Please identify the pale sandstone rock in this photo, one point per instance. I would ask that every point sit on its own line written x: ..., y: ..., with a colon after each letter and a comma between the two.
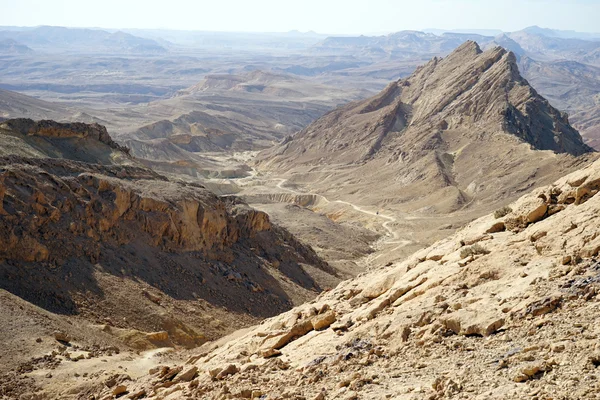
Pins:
x: 188, y: 375
x: 120, y: 389
x: 231, y: 369
x: 323, y: 321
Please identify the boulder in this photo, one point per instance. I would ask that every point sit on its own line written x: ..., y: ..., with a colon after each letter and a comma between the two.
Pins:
x: 323, y: 321
x: 188, y: 375
x: 62, y: 337
x: 118, y: 390
x: 231, y: 369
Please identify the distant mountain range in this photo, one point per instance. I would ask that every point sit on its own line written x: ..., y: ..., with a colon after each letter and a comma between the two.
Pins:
x: 52, y: 38
x: 547, y: 43
x: 564, y: 34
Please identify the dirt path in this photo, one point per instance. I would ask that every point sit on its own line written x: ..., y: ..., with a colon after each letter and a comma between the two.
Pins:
x: 391, y: 237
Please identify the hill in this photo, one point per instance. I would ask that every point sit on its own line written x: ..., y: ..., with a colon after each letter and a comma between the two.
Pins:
x: 279, y: 85
x: 16, y: 105
x: 9, y: 46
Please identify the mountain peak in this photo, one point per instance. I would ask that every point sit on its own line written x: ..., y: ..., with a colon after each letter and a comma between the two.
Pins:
x: 469, y: 51
x: 469, y: 47
x: 469, y: 90
x: 433, y: 131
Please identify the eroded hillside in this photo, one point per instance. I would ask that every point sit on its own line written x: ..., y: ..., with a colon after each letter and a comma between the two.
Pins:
x: 125, y: 253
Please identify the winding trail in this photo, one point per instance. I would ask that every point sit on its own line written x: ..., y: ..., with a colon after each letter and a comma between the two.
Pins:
x: 392, y: 236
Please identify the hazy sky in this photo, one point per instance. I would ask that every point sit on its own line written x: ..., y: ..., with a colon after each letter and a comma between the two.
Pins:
x: 324, y: 16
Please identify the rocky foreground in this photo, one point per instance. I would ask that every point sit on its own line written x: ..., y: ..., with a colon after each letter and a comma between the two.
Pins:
x: 504, y: 309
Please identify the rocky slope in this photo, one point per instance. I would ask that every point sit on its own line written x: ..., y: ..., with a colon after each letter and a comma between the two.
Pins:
x: 570, y: 86
x: 461, y: 132
x: 108, y: 242
x: 505, y: 308
x: 13, y: 105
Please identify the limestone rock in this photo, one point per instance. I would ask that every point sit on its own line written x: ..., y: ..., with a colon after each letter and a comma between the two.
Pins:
x: 188, y: 374
x: 280, y: 339
x: 463, y: 322
x: 118, y: 390
x: 323, y: 321
x: 231, y: 369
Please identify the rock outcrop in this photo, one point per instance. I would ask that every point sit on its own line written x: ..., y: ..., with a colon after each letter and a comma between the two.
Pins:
x: 76, y: 141
x: 53, y: 129
x: 131, y: 251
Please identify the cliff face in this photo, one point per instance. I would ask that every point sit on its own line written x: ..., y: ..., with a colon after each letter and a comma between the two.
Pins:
x: 107, y: 241
x: 53, y: 129
x: 99, y: 208
x: 89, y: 143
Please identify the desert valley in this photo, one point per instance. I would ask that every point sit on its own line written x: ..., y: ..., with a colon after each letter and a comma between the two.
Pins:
x: 212, y: 215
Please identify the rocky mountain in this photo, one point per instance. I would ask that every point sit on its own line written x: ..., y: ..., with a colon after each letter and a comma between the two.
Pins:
x: 572, y: 87
x: 90, y: 234
x: 564, y: 34
x: 505, y: 308
x: 509, y: 44
x: 463, y: 131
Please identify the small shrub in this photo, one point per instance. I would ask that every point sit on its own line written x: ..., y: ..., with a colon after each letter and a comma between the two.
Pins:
x: 504, y: 211
x: 473, y: 251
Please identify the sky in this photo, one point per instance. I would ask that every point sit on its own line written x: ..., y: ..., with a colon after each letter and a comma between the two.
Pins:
x: 323, y: 16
